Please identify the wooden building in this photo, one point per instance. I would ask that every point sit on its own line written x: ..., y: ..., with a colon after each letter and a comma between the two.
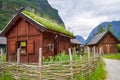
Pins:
x: 3, y: 43
x: 75, y: 45
x: 106, y: 40
x: 29, y: 33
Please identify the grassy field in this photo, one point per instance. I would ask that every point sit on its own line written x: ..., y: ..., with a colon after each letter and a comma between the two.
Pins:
x: 113, y: 56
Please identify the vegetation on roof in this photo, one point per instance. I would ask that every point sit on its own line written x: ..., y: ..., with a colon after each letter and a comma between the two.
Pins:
x: 48, y: 23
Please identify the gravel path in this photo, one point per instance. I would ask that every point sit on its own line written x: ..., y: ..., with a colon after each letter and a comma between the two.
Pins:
x: 113, y: 69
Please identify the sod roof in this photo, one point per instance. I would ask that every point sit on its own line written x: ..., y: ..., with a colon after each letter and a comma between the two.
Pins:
x: 48, y: 24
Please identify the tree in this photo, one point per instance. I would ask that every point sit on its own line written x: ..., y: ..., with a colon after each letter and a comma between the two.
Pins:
x: 100, y: 29
x: 109, y: 27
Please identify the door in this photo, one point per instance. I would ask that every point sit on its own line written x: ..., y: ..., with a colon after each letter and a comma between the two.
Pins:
x: 107, y: 48
x: 23, y: 51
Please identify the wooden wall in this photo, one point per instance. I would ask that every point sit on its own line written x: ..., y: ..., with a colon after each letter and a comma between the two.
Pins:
x: 59, y: 42
x: 63, y: 44
x: 23, y: 31
x: 108, y: 44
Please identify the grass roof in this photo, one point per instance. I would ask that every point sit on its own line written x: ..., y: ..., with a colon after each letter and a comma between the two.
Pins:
x: 47, y: 23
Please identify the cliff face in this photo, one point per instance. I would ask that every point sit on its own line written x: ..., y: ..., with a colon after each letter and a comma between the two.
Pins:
x: 40, y: 7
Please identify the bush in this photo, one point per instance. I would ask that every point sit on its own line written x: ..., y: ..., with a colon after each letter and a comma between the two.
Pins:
x: 61, y: 57
x: 118, y: 47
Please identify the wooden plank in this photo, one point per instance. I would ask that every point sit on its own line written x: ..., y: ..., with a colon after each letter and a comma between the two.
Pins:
x: 40, y: 62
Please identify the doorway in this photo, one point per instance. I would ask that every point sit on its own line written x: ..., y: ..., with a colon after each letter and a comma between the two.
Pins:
x: 23, y: 51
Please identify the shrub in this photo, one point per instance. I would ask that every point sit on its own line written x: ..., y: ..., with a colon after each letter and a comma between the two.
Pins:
x: 118, y: 47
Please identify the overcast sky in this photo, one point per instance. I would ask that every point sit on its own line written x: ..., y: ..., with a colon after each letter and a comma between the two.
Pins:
x: 84, y: 15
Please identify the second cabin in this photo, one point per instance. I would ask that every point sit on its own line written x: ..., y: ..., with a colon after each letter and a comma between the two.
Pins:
x: 106, y: 41
x: 29, y: 33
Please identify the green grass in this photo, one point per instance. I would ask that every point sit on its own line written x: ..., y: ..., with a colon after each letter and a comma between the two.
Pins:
x: 62, y: 57
x: 5, y: 74
x: 112, y: 56
x: 99, y: 73
x: 4, y: 58
x: 118, y: 47
x: 51, y: 25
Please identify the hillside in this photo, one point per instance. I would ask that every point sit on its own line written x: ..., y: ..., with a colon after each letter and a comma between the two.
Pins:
x: 113, y: 26
x: 80, y: 38
x: 40, y: 7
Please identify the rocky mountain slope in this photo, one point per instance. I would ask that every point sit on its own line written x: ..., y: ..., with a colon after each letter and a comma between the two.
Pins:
x: 40, y: 7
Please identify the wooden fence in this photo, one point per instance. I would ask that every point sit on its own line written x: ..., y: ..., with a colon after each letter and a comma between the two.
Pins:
x: 66, y: 70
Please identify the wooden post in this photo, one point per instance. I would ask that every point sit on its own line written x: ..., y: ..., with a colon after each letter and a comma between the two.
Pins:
x: 18, y: 60
x: 88, y: 55
x: 71, y: 69
x: 94, y: 52
x: 100, y: 51
x: 89, y: 60
x: 40, y: 62
x: 70, y: 54
x: 2, y: 55
x: 18, y: 56
x: 80, y: 57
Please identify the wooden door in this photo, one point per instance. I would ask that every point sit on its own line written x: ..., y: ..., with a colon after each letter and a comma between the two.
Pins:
x: 23, y: 51
x: 107, y: 48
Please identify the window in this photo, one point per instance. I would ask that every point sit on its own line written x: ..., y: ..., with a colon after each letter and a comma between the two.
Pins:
x: 23, y: 47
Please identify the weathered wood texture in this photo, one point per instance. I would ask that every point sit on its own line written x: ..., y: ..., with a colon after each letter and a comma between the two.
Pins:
x: 22, y: 30
x: 52, y: 70
x: 108, y: 43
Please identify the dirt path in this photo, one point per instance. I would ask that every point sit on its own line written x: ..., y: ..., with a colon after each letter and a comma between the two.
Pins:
x: 113, y: 69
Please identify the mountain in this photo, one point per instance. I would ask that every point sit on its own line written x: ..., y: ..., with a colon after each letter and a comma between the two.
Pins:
x: 113, y: 26
x: 80, y: 38
x: 40, y: 7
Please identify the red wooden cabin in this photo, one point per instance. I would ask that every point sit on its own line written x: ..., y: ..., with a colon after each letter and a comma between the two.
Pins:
x: 28, y: 34
x: 106, y: 40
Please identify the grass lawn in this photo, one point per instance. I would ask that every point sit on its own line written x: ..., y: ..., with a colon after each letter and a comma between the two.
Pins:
x: 99, y: 73
x: 113, y: 56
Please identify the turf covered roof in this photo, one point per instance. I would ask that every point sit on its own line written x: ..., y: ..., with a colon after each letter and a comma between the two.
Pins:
x: 47, y: 23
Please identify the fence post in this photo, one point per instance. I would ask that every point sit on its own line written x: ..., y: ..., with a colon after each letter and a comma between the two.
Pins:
x: 40, y: 62
x: 1, y: 54
x: 94, y: 52
x: 80, y: 57
x: 18, y: 61
x: 71, y: 69
x: 89, y: 62
x: 18, y: 56
x: 88, y: 55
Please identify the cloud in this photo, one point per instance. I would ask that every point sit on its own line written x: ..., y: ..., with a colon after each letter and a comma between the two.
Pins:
x: 83, y: 15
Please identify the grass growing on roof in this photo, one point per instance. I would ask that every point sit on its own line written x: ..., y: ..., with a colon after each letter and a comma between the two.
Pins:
x: 47, y: 23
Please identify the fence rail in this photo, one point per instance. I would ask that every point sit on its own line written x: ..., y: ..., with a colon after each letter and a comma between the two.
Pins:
x: 66, y: 70
x: 51, y: 71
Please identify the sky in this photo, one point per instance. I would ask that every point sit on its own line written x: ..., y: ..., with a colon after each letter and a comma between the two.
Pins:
x: 81, y: 16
